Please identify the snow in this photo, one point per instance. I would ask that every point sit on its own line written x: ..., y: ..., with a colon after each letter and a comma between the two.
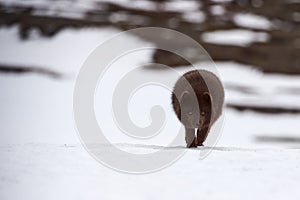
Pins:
x: 49, y: 53
x: 236, y: 37
x: 266, y: 87
x: 252, y: 21
x: 181, y: 6
x: 135, y: 19
x: 217, y: 10
x: 79, y: 5
x: 68, y: 172
x: 220, y: 1
x: 41, y: 155
x: 69, y: 9
x: 194, y: 17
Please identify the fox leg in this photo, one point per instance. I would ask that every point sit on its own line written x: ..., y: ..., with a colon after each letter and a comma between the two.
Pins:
x: 202, y: 135
x: 190, y: 138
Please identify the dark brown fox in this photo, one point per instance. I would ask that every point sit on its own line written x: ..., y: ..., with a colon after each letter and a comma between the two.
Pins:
x: 197, y: 99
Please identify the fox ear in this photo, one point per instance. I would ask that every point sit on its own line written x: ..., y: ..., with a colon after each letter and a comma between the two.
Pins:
x: 206, y: 97
x: 183, y: 95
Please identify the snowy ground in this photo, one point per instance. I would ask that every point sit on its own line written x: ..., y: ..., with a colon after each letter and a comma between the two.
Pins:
x: 41, y: 155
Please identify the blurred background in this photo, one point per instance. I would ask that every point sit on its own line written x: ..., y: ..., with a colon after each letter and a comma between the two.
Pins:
x: 43, y: 43
x: 255, y: 43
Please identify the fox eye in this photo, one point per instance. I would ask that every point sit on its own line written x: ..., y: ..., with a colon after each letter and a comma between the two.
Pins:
x: 202, y: 113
